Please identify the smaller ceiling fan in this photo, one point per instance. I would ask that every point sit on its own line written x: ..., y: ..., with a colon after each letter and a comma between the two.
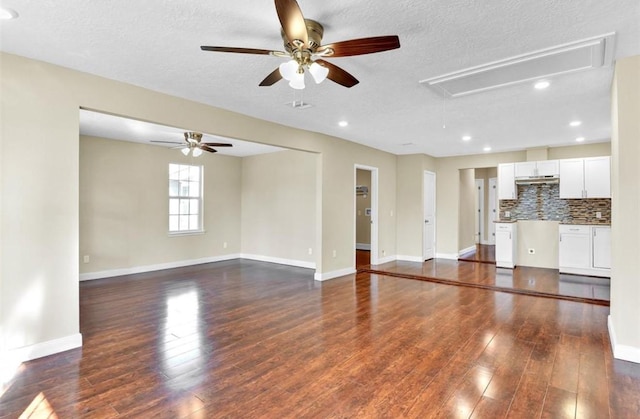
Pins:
x: 303, y: 46
x: 193, y: 142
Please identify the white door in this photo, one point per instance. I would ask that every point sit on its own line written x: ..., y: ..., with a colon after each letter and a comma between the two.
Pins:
x: 479, y: 211
x: 574, y: 250
x: 601, y: 247
x: 429, y: 229
x: 493, y: 209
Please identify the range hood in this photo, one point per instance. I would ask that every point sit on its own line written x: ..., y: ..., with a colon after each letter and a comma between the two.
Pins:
x: 536, y: 180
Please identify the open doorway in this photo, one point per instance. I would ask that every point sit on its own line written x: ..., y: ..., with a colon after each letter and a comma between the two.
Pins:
x: 478, y: 199
x: 366, y: 236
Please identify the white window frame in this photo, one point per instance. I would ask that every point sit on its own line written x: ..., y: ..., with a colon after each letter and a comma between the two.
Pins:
x: 181, y: 205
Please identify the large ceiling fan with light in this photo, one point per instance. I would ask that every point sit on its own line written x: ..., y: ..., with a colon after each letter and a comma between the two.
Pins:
x: 303, y: 45
x: 194, y: 144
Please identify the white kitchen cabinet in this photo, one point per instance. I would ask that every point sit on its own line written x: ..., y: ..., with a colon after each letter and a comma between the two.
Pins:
x: 597, y: 177
x: 506, y: 245
x: 585, y: 250
x: 601, y: 237
x: 548, y: 168
x: 507, y: 181
x: 525, y: 169
x: 537, y: 168
x: 585, y: 178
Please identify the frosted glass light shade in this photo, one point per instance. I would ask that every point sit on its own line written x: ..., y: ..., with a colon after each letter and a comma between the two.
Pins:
x: 297, y: 82
x: 318, y: 72
x: 197, y: 152
x: 185, y: 151
x: 288, y: 70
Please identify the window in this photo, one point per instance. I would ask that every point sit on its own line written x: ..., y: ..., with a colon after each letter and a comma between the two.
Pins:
x: 185, y: 198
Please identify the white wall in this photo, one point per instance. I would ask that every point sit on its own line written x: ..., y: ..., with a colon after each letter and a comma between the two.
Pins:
x: 624, y: 326
x: 279, y: 207
x: 124, y: 207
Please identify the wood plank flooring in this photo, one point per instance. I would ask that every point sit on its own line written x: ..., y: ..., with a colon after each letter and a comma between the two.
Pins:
x: 483, y: 253
x: 522, y: 280
x: 248, y: 339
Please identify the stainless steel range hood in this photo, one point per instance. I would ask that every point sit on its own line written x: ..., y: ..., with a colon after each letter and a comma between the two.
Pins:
x: 537, y: 180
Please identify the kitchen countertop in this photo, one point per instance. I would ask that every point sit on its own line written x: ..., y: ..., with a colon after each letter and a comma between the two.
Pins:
x: 581, y: 223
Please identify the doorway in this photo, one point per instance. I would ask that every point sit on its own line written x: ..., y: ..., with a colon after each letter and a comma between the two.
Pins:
x: 366, y: 215
x: 429, y: 205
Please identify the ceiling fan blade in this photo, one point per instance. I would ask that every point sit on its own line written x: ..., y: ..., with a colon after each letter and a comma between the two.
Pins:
x: 338, y: 75
x: 166, y: 142
x: 238, y: 50
x: 362, y: 46
x: 272, y: 78
x: 209, y: 149
x: 292, y: 21
x: 217, y: 144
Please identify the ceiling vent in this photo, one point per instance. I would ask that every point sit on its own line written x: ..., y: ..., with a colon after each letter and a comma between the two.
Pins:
x: 567, y: 58
x: 298, y: 105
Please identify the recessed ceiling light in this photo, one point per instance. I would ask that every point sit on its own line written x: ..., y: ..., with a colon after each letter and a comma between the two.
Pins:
x: 486, y: 149
x: 343, y: 123
x: 466, y: 138
x: 575, y: 123
x: 7, y: 14
x: 541, y: 85
x: 580, y: 139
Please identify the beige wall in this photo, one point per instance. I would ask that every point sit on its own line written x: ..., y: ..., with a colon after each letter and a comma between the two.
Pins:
x: 124, y: 207
x: 584, y: 150
x: 279, y: 206
x: 410, y: 192
x: 625, y: 201
x: 40, y: 257
x: 467, y: 210
x: 363, y: 221
x: 542, y: 236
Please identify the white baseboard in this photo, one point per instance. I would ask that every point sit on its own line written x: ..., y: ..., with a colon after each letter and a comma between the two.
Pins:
x: 150, y: 268
x: 280, y: 261
x: 386, y: 259
x: 405, y: 258
x: 604, y: 273
x: 38, y: 350
x: 623, y: 352
x: 467, y: 250
x: 453, y: 256
x: 363, y: 246
x: 333, y: 274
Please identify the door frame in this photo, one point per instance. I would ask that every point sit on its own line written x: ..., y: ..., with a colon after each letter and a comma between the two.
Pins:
x: 480, y: 210
x: 374, y: 211
x: 435, y: 210
x: 493, y: 204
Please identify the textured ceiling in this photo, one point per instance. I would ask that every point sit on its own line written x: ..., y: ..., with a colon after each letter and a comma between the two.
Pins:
x: 155, y: 44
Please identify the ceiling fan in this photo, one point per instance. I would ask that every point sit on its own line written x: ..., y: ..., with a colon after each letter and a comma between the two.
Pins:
x: 193, y: 142
x: 303, y: 44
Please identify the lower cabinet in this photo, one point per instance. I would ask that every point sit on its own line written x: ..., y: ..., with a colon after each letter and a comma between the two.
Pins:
x: 506, y: 245
x: 585, y: 250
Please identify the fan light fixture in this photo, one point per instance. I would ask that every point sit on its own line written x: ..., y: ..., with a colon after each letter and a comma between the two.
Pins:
x: 293, y: 71
x: 185, y: 151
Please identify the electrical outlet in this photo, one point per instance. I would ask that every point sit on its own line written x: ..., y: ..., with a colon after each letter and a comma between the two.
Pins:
x: 598, y: 214
x: 310, y: 251
x: 86, y: 259
x: 507, y: 214
x: 532, y: 251
x: 384, y: 253
x: 224, y: 245
x: 391, y: 212
x: 334, y: 253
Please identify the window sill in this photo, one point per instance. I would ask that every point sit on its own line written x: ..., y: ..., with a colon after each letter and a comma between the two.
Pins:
x: 186, y: 233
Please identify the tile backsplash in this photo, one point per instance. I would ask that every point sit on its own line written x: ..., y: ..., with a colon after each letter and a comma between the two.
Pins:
x: 542, y: 202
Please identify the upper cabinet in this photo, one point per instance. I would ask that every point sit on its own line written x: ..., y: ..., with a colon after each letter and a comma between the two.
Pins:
x: 507, y: 181
x: 585, y: 178
x: 537, y: 168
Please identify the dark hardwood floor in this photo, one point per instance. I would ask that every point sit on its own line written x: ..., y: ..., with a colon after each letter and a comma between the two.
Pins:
x: 248, y: 339
x: 521, y: 280
x: 363, y: 258
x: 483, y: 253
